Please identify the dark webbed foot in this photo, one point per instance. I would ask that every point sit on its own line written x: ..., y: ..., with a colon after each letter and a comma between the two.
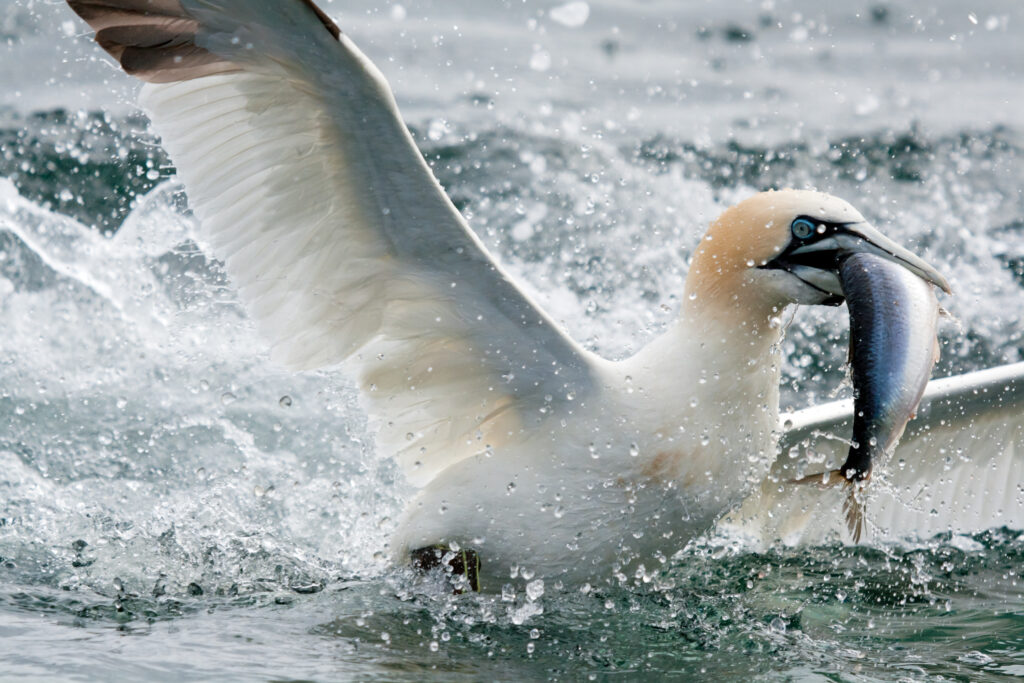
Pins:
x: 462, y: 567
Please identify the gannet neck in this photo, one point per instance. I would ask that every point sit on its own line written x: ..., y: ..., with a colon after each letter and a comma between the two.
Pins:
x: 706, y: 403
x: 729, y: 322
x: 711, y: 383
x: 737, y: 344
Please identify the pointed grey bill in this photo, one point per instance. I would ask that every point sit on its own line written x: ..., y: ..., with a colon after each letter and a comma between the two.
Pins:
x: 863, y: 238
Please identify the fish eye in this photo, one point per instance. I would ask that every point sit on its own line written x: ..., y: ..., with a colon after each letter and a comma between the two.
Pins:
x: 802, y: 228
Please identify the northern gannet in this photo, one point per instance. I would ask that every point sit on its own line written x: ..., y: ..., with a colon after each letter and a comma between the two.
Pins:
x: 523, y: 445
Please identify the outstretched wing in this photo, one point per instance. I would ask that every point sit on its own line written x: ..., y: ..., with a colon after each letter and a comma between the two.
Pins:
x: 331, y: 225
x: 958, y: 468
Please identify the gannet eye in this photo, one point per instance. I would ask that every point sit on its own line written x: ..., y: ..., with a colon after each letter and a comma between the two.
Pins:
x: 802, y: 228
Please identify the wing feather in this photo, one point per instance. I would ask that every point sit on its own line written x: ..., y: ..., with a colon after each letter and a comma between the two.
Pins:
x: 331, y: 225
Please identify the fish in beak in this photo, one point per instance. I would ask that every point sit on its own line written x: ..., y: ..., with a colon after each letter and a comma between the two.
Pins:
x: 893, y: 348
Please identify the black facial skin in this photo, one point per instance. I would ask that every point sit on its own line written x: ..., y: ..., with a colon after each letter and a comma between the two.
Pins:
x: 827, y: 260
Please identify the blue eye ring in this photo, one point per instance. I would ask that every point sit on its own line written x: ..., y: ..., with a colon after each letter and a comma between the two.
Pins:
x: 803, y: 228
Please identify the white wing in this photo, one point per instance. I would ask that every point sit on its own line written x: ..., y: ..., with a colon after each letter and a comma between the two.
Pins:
x: 958, y: 468
x: 333, y: 228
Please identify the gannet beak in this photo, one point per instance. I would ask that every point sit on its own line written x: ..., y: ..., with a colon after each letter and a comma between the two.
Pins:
x: 862, y: 237
x: 816, y: 259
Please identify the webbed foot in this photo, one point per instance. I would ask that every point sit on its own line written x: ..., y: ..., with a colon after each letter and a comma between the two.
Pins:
x: 461, y: 567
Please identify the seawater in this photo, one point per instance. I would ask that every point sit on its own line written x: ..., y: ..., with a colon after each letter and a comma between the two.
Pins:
x: 174, y: 506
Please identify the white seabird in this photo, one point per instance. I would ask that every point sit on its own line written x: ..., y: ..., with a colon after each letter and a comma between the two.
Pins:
x: 523, y: 445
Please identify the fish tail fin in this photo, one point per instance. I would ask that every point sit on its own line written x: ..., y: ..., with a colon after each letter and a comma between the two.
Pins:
x: 853, y: 505
x: 853, y: 508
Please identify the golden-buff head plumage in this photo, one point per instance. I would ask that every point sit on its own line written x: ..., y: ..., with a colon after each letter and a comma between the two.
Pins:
x: 726, y: 268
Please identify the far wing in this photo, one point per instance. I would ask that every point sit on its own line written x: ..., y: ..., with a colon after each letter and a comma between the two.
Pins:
x: 959, y: 467
x: 331, y: 225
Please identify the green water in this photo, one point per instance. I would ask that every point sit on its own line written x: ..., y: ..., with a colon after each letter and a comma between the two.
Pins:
x: 939, y: 612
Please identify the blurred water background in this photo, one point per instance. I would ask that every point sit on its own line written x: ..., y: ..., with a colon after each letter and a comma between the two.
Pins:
x: 173, y: 506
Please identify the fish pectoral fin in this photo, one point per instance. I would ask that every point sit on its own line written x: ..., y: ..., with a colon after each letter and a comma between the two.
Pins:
x: 853, y: 507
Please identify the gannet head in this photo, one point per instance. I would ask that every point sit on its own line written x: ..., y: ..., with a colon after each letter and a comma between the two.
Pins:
x: 785, y: 247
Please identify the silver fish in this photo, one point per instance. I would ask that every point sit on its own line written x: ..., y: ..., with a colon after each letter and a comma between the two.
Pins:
x: 893, y: 348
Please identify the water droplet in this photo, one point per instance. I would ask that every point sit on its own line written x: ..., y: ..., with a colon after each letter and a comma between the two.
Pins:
x: 572, y: 14
x: 227, y: 398
x: 634, y: 450
x: 436, y: 129
x: 285, y: 401
x: 540, y: 60
x: 535, y: 589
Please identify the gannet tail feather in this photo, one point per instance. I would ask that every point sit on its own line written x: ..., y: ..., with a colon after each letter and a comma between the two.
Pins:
x: 329, y: 221
x: 957, y: 469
